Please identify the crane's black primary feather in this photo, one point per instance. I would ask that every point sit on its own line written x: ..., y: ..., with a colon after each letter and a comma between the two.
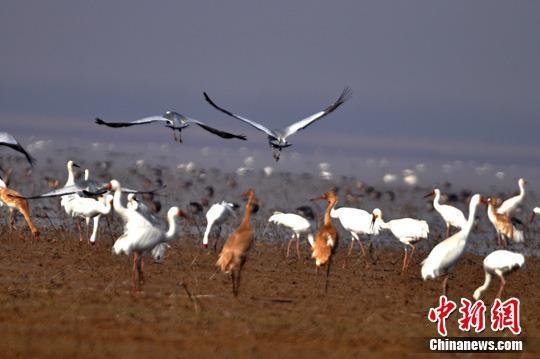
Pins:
x: 99, y: 121
x: 220, y: 133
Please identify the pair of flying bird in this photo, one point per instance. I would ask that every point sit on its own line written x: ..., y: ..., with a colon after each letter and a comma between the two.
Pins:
x: 277, y: 139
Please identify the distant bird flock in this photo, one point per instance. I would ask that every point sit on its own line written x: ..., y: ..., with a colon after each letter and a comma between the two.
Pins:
x: 89, y: 200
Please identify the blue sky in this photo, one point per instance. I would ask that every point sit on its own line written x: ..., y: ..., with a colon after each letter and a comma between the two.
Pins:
x: 432, y: 78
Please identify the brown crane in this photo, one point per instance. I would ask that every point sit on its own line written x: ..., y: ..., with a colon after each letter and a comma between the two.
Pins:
x: 234, y: 253
x: 503, y: 225
x: 14, y: 200
x: 326, y: 237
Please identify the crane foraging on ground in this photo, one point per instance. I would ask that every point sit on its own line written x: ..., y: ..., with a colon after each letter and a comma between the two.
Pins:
x: 216, y: 215
x: 297, y: 224
x: 407, y: 230
x: 499, y: 263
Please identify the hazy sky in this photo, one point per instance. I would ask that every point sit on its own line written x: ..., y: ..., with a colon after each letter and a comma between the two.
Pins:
x: 436, y: 78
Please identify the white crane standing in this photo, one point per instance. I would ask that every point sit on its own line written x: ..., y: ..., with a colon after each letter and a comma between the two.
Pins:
x: 452, y: 216
x: 510, y: 205
x: 445, y: 255
x: 140, y: 236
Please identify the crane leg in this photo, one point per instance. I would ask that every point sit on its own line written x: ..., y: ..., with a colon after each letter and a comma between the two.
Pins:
x: 351, y: 247
x: 289, y: 246
x: 362, y: 248
x: 235, y: 278
x: 217, y: 238
x: 298, y: 246
x: 501, y: 287
x: 405, y: 254
x: 445, y: 284
x: 370, y: 251
x: 141, y: 267
x: 11, y: 219
x: 447, y: 231
x: 327, y: 274
x: 79, y: 227
x: 410, y: 256
x: 134, y: 273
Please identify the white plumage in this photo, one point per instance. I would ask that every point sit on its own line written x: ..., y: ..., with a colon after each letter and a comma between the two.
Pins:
x: 90, y: 208
x: 452, y: 216
x: 499, y: 263
x: 296, y: 223
x: 357, y: 222
x: 510, y: 205
x: 176, y: 122
x: 139, y: 206
x: 536, y: 211
x: 444, y: 256
x: 277, y: 139
x: 503, y: 225
x: 217, y: 214
x: 140, y: 236
x: 407, y: 230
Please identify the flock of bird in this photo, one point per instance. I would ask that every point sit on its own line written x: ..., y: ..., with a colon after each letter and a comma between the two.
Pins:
x: 141, y: 236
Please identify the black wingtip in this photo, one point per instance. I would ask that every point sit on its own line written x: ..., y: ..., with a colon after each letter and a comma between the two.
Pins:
x: 346, y: 94
x: 207, y: 98
x: 31, y: 160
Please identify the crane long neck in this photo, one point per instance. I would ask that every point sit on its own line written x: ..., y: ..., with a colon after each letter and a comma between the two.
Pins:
x: 108, y: 207
x: 247, y: 213
x: 521, y: 189
x: 333, y: 211
x: 436, y: 200
x: 71, y: 177
x: 117, y: 203
x: 470, y: 220
x: 327, y: 213
x: 492, y: 213
x: 170, y: 234
x: 483, y: 287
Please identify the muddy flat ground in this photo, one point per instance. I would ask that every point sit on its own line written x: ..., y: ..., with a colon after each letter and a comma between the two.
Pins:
x: 63, y: 298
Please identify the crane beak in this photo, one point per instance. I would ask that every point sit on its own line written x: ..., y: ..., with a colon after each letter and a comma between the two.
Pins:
x: 373, y: 218
x: 318, y: 198
x: 429, y: 194
x: 76, y: 165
